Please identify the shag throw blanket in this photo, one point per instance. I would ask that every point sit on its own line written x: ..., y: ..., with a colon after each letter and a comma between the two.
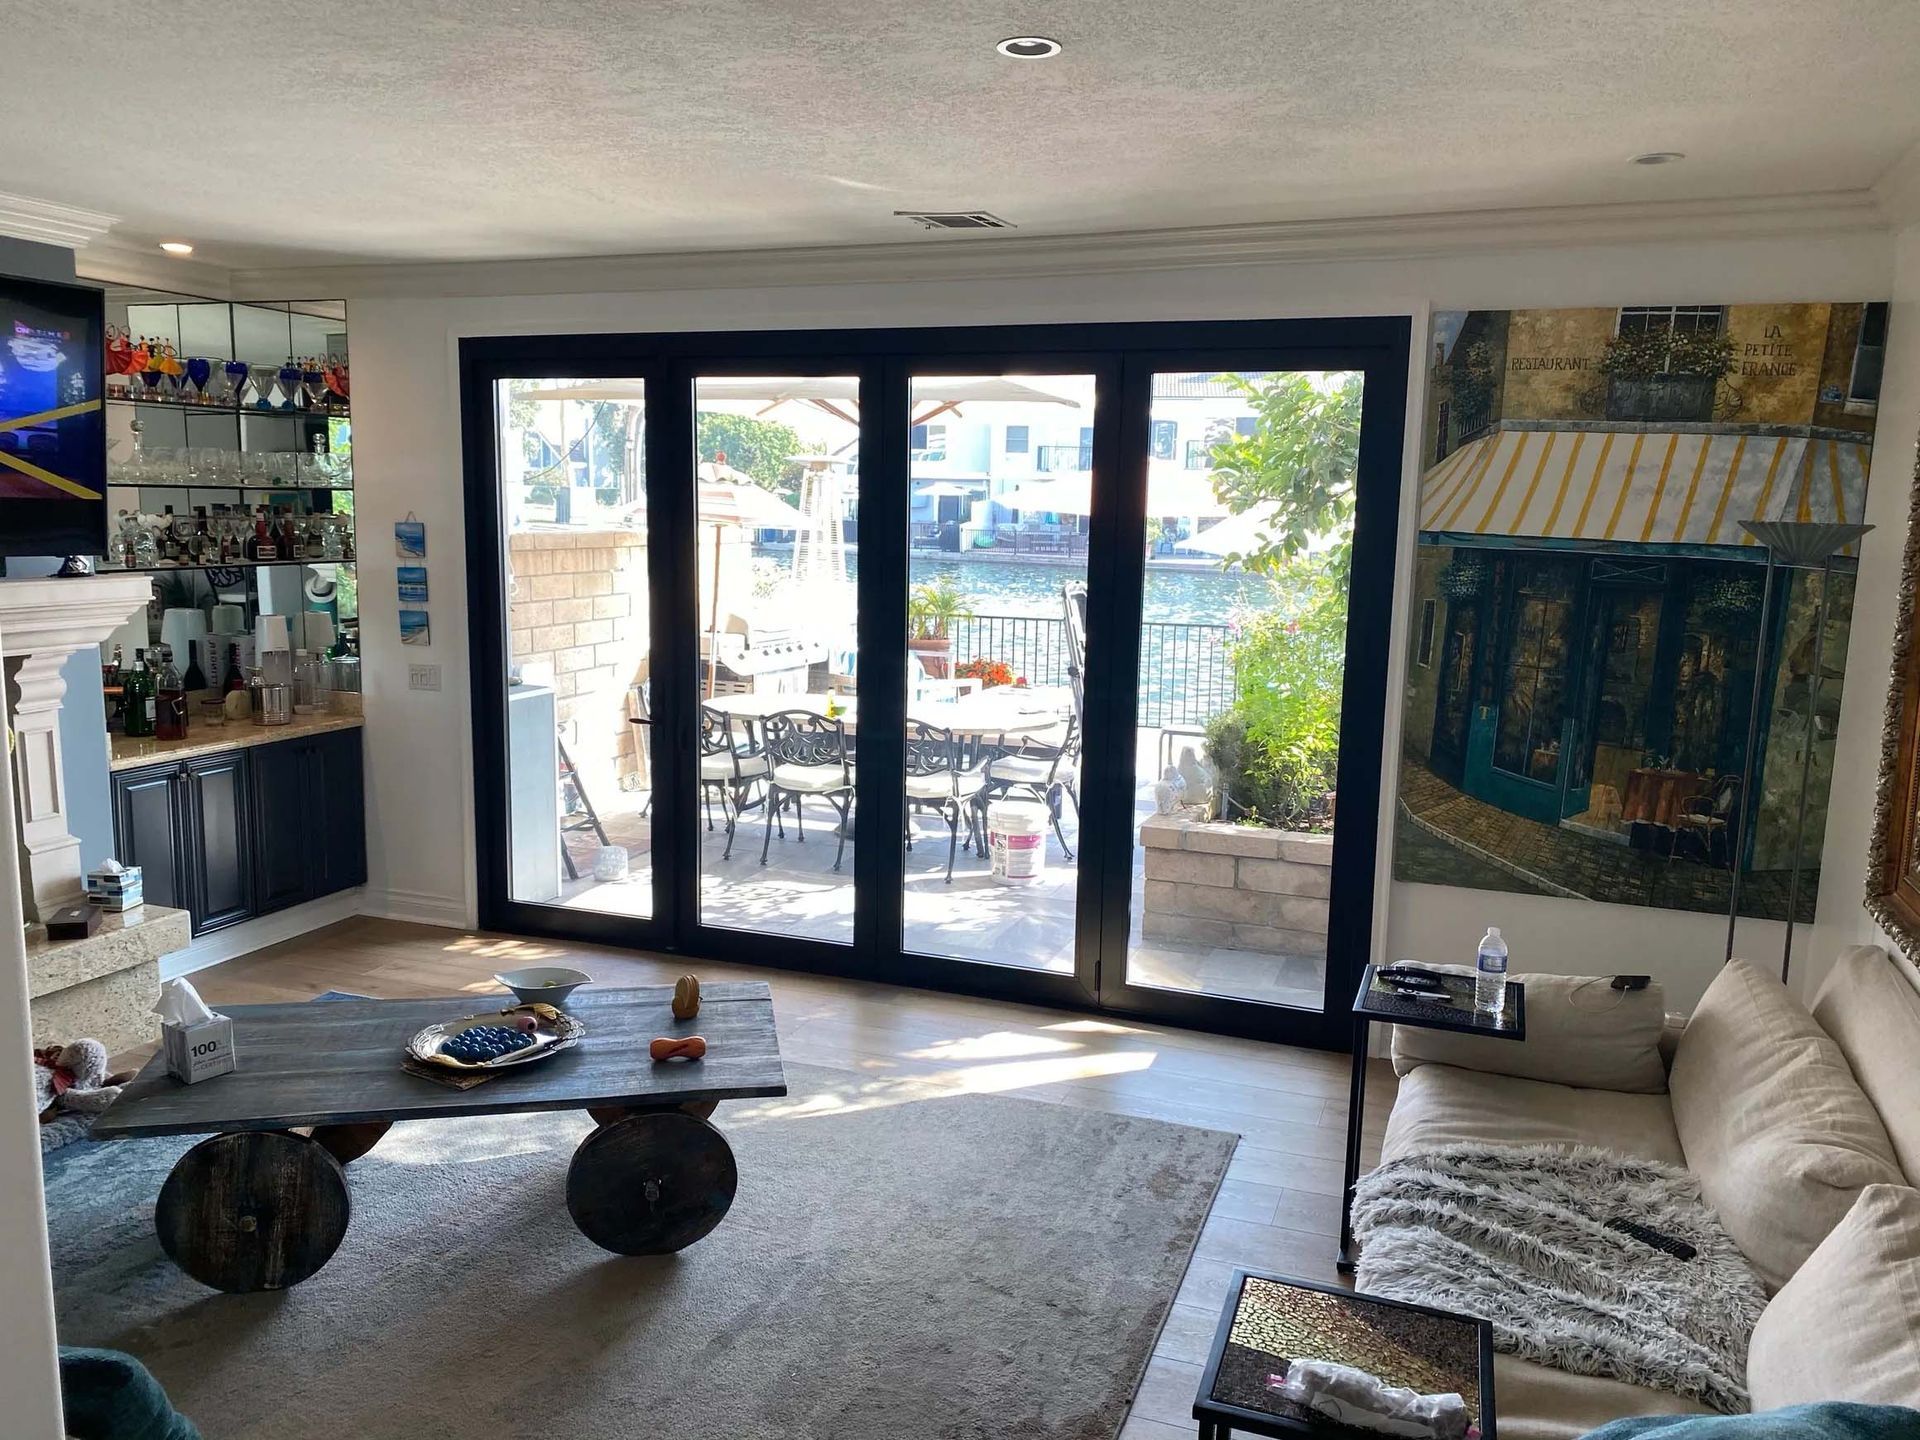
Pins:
x: 1518, y: 1236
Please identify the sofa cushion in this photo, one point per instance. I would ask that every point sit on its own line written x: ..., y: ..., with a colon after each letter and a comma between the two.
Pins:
x: 1781, y: 1136
x: 1533, y: 1402
x: 1847, y: 1325
x: 1580, y: 1032
x: 1871, y: 1009
x: 1440, y: 1105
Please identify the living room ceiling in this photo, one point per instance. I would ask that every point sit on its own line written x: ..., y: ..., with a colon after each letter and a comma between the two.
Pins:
x: 454, y: 129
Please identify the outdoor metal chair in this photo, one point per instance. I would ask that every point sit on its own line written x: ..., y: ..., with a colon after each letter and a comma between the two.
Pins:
x: 1044, y: 766
x: 936, y: 782
x: 808, y: 756
x: 729, y: 768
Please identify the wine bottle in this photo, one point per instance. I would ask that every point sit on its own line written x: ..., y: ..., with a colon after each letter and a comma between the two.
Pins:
x: 170, y: 701
x: 195, y: 678
x: 137, y: 699
x: 236, y: 680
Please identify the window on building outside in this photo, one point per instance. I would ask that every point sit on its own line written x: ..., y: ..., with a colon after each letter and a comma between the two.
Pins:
x: 1165, y: 433
x: 1869, y: 356
x: 1197, y: 454
x: 1018, y: 441
x: 1245, y: 425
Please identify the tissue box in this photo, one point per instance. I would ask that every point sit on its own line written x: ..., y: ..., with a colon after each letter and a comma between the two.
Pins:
x: 198, y: 1052
x: 115, y: 889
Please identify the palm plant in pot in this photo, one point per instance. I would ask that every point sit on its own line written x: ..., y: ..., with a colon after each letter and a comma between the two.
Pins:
x: 933, y: 609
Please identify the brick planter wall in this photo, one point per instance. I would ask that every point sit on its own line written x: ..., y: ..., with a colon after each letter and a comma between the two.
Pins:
x: 1236, y: 887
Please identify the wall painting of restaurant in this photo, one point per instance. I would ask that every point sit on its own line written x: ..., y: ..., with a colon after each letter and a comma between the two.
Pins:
x: 1587, y: 609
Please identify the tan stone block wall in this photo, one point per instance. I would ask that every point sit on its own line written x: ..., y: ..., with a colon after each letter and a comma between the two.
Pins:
x: 578, y: 618
x: 1236, y: 887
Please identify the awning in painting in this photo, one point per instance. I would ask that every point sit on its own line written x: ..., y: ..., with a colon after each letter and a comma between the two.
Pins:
x: 1688, y: 485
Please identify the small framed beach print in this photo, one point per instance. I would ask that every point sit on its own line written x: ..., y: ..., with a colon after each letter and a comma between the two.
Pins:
x: 410, y: 539
x: 413, y: 584
x: 414, y: 629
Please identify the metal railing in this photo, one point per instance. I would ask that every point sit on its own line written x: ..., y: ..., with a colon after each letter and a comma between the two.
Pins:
x: 1185, y: 675
x: 1053, y: 459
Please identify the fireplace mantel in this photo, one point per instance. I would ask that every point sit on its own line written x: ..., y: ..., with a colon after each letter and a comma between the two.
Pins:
x: 42, y: 622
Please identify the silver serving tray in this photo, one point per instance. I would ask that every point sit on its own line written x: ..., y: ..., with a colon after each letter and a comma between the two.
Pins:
x: 554, y: 1030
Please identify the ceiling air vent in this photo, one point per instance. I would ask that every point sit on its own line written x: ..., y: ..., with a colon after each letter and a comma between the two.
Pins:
x: 955, y: 219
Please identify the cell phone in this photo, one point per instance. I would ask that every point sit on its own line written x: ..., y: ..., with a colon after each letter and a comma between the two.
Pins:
x: 1631, y: 982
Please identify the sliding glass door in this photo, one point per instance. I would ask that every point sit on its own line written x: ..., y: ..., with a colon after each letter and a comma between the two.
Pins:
x: 1044, y: 663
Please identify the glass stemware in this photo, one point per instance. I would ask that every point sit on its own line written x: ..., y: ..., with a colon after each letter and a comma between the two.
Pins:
x: 262, y: 378
x: 290, y: 385
x: 199, y: 372
x: 236, y: 392
x: 313, y: 381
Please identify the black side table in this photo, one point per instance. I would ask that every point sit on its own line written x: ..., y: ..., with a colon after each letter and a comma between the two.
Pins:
x: 1270, y: 1319
x: 1378, y: 1003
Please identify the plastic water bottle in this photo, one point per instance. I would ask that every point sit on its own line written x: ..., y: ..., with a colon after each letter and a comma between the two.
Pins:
x: 1490, y: 973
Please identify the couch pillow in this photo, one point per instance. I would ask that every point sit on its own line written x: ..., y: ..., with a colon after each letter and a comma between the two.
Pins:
x: 1871, y: 1009
x: 1847, y: 1326
x: 1580, y: 1032
x: 1781, y: 1136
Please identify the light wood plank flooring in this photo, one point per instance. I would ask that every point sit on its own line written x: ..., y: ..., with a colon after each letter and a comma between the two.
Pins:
x: 1278, y: 1210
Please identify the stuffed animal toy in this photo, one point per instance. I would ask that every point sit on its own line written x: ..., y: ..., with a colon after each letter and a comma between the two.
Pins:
x: 74, y: 1078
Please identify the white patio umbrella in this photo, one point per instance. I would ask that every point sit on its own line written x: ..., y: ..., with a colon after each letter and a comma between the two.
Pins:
x: 944, y: 489
x: 1239, y: 534
x: 835, y: 395
x: 730, y: 502
x: 1169, y: 492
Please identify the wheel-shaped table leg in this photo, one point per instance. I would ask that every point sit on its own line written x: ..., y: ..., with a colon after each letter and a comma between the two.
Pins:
x: 651, y: 1183
x: 255, y: 1210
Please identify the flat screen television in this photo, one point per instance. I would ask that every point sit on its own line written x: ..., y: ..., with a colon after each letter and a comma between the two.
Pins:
x: 53, y: 430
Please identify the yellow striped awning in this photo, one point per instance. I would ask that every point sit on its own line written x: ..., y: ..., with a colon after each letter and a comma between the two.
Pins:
x: 1643, y: 485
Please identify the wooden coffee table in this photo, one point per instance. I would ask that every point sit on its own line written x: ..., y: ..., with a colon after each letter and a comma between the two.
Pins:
x: 264, y: 1203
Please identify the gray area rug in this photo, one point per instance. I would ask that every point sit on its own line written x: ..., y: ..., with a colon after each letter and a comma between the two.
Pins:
x: 899, y: 1265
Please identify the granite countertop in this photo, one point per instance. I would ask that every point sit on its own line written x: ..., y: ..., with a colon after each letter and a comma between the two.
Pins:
x: 125, y: 937
x: 129, y: 754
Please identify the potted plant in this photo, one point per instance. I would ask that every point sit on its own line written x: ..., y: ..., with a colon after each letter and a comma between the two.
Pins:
x: 932, y: 611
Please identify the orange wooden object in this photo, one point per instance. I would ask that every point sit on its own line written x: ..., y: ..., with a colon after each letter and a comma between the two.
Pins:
x: 682, y: 1047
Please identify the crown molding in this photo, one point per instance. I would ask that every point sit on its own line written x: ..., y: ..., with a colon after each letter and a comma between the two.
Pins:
x: 116, y: 262
x: 24, y: 217
x: 941, y: 257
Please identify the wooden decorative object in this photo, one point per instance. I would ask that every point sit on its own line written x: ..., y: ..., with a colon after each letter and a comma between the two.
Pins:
x: 686, y: 997
x: 253, y: 1210
x: 678, y: 1047
x: 651, y: 1184
x: 1893, y: 857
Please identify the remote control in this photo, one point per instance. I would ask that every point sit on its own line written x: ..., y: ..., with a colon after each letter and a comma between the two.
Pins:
x: 1646, y: 1235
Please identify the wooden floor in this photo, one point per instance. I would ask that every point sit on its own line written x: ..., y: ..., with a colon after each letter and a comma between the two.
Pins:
x: 1279, y: 1207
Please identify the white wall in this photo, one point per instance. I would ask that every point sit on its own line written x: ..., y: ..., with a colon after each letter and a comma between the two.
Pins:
x: 407, y: 459
x: 1842, y: 918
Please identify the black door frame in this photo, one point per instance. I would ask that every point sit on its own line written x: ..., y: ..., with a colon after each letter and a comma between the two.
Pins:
x: 1122, y: 357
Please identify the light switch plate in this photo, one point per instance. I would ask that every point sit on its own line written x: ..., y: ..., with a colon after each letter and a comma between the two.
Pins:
x: 423, y: 677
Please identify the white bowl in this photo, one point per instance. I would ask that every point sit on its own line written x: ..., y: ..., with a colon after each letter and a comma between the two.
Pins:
x: 543, y: 984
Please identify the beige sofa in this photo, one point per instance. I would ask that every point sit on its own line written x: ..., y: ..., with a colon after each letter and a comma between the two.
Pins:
x: 1786, y: 1117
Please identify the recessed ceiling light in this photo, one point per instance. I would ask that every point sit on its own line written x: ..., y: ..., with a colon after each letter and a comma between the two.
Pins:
x: 1028, y: 47
x: 176, y: 247
x: 1658, y: 157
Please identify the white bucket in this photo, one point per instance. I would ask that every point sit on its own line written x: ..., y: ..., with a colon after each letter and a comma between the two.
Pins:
x: 1017, y: 841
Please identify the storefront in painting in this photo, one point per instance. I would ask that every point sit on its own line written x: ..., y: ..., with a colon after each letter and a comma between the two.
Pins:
x: 1588, y: 606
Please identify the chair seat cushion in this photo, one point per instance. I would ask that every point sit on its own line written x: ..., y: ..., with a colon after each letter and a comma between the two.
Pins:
x: 1021, y: 770
x: 721, y: 767
x: 814, y: 779
x: 944, y: 785
x: 1445, y: 1105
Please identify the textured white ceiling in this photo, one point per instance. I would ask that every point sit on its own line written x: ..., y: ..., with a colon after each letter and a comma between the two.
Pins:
x: 282, y: 132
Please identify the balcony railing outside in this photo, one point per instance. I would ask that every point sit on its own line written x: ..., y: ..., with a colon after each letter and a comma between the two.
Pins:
x: 1185, y: 675
x: 1059, y: 459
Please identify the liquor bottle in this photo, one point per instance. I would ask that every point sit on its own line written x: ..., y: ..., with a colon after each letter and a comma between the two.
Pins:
x: 289, y: 541
x: 203, y: 549
x: 110, y: 669
x: 169, y: 540
x: 265, y: 546
x: 236, y: 678
x: 195, y: 678
x: 170, y: 701
x: 138, y: 697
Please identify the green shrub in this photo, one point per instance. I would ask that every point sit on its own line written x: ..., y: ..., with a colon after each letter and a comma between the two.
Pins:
x: 1278, y: 747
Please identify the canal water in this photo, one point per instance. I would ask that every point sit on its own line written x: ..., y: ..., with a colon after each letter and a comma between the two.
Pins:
x: 1183, y: 596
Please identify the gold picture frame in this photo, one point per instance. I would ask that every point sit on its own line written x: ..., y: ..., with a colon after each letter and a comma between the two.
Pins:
x: 1893, y: 855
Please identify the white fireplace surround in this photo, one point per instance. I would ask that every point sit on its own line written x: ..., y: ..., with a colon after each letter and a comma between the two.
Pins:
x: 42, y: 622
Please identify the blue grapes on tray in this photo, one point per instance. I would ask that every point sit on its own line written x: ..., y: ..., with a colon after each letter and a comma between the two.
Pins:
x: 485, y: 1042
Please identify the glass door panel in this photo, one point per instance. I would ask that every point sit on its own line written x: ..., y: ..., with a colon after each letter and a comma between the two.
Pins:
x: 1243, y: 632
x: 578, y: 753
x: 999, y: 511
x: 776, y: 514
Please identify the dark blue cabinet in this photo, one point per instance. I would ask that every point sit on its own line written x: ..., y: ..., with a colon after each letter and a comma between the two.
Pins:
x: 249, y: 831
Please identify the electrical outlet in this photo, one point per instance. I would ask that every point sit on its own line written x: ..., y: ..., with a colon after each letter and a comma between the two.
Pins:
x: 423, y: 677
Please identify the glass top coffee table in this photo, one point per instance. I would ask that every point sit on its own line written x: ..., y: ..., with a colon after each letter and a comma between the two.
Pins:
x: 1269, y: 1320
